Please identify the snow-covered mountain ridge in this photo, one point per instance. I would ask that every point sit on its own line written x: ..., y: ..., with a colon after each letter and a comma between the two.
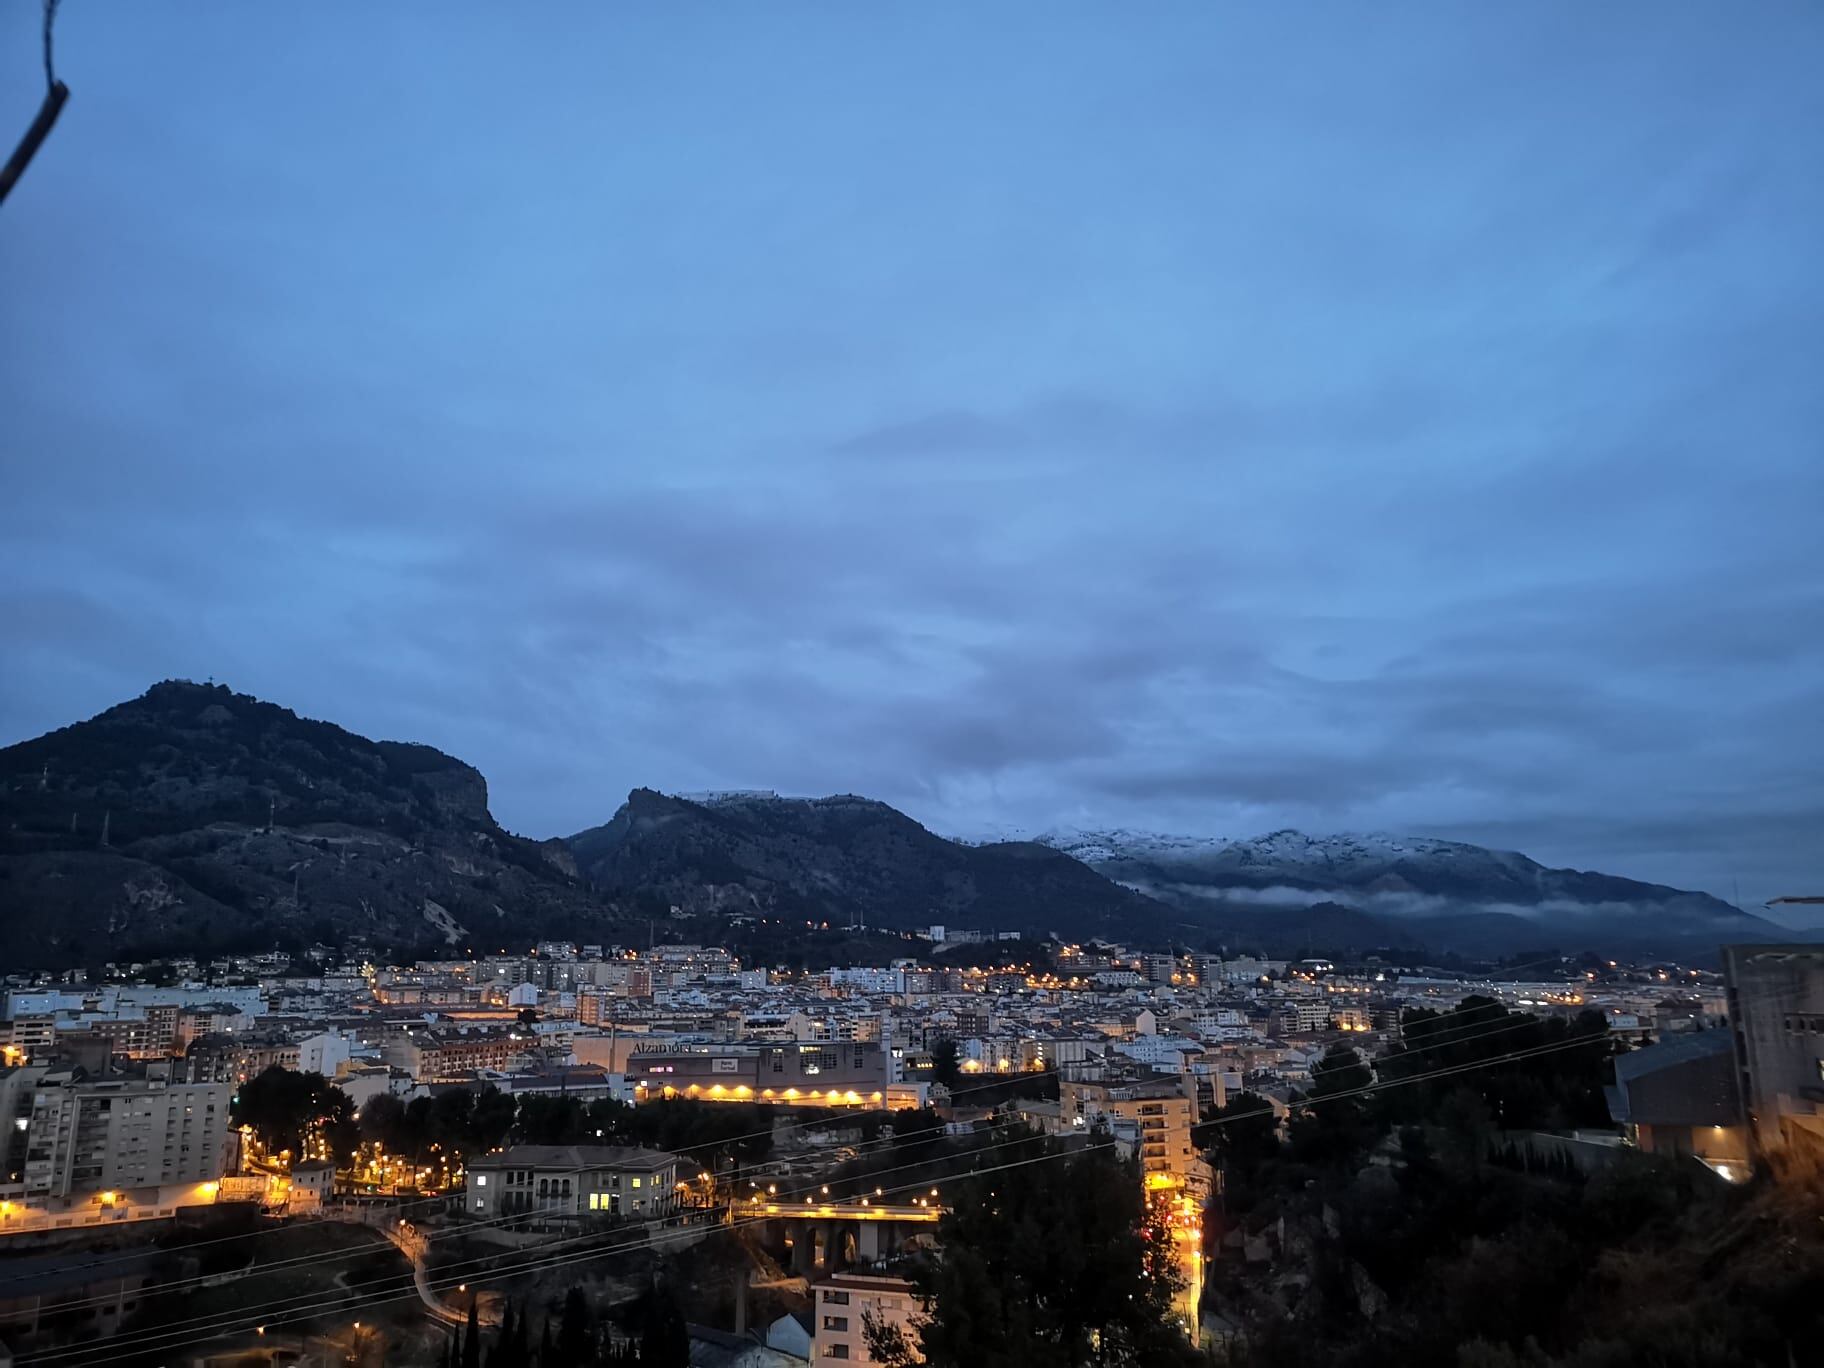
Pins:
x: 1444, y: 893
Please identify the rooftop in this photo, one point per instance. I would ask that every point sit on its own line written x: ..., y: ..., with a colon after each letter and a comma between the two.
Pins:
x: 575, y: 1157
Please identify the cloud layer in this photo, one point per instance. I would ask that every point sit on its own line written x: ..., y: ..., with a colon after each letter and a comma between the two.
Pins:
x: 1211, y: 420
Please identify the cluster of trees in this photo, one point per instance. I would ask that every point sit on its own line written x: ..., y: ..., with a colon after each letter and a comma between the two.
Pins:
x: 457, y: 1122
x: 288, y: 1110
x: 1057, y: 1262
x: 740, y: 1129
x: 1454, y: 1069
x: 1415, y: 1228
x: 656, y: 1336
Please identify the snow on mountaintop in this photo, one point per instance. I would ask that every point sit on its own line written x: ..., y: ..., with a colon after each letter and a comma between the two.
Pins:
x: 1285, y: 849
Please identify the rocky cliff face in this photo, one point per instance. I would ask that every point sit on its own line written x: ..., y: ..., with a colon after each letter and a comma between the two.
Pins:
x: 194, y: 817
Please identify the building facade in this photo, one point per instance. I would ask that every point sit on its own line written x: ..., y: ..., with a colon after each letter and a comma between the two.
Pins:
x: 571, y: 1182
x: 1164, y: 1112
x: 843, y: 1303
x: 109, y: 1135
x: 827, y: 1073
x: 1775, y: 996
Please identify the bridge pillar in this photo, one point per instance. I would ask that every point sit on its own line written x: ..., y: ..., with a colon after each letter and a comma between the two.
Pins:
x: 804, y: 1248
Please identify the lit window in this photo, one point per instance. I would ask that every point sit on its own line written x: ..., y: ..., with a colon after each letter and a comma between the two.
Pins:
x: 481, y: 1180
x: 636, y: 1182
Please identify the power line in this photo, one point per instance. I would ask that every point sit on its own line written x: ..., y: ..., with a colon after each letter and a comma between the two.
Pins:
x: 305, y: 1260
x: 50, y: 19
x: 55, y: 94
x: 581, y: 1256
x: 1461, y: 1036
x: 833, y: 1118
x: 254, y: 1319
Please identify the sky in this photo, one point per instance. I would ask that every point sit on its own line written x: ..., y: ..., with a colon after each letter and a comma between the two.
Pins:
x: 1207, y: 418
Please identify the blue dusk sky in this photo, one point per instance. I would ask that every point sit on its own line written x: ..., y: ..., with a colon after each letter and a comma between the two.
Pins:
x: 1199, y: 417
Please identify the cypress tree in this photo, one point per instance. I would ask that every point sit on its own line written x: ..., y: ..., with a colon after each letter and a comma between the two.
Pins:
x: 471, y: 1342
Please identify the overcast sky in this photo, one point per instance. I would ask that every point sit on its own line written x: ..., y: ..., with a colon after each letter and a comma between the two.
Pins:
x: 1209, y: 417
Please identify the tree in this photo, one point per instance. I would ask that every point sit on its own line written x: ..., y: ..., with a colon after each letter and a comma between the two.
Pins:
x: 287, y: 1109
x: 575, y: 1332
x: 382, y: 1122
x: 340, y: 1128
x: 503, y: 1355
x: 945, y: 1066
x: 1046, y: 1263
x: 664, y: 1336
x: 471, y: 1339
x: 490, y: 1119
x: 1241, y: 1133
x: 550, y: 1121
x: 1334, y: 1127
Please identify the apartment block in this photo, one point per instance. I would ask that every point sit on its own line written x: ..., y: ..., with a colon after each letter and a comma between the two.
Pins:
x: 843, y: 1303
x: 102, y: 1136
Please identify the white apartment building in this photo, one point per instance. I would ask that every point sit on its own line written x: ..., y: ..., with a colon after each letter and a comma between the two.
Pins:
x: 111, y: 1135
x: 324, y: 1052
x: 842, y: 1302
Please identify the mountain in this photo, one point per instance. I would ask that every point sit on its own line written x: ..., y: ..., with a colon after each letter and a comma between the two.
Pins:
x: 1447, y: 895
x: 194, y: 817
x: 841, y: 860
x: 197, y: 818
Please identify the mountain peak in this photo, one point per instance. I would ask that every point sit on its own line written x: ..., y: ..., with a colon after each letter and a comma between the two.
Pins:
x: 195, y: 813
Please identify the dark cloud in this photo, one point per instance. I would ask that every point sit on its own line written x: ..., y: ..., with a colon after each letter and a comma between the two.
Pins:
x: 1158, y: 434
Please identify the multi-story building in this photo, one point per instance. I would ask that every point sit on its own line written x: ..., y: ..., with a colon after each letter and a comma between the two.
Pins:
x: 572, y: 1181
x: 869, y: 980
x: 51, y: 1299
x: 17, y: 1085
x: 847, y: 1073
x: 104, y: 1136
x: 324, y: 1052
x: 1164, y: 1110
x: 1681, y: 1097
x: 138, y: 1033
x: 27, y: 1036
x: 1776, y: 1009
x: 1352, y: 1019
x: 432, y: 1057
x: 1299, y: 1016
x: 843, y: 1303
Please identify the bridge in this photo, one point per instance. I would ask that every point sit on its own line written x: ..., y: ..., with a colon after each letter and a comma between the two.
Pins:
x: 811, y: 1238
